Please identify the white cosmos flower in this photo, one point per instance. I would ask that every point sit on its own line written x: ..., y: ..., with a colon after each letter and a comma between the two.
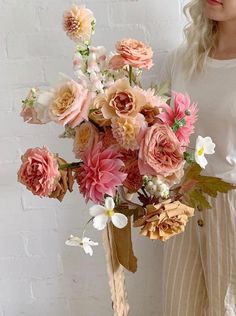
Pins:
x: 85, y: 243
x: 204, y: 145
x: 103, y: 214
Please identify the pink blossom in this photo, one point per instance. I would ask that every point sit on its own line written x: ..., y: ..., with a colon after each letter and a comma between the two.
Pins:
x: 160, y: 152
x: 116, y: 62
x: 100, y: 173
x: 39, y: 171
x: 181, y: 110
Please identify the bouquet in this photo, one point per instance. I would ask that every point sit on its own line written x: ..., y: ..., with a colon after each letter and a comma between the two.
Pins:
x: 131, y: 145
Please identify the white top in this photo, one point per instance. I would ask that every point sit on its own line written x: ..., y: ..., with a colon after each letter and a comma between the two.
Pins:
x: 215, y: 93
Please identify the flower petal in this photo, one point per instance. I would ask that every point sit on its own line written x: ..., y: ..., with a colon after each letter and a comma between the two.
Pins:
x: 100, y: 221
x: 109, y: 203
x: 119, y: 220
x: 96, y: 210
x: 201, y: 160
x: 73, y: 241
x: 88, y: 249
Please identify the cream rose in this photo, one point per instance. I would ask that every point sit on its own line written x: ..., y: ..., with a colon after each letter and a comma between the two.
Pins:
x: 69, y: 103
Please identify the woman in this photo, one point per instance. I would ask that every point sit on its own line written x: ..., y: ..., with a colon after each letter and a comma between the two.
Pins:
x: 200, y: 264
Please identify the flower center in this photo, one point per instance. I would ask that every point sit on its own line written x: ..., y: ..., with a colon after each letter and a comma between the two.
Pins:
x: 72, y: 25
x: 201, y: 151
x: 109, y: 213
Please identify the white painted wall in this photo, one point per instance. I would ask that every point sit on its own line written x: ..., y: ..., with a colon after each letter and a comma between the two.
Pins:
x: 39, y: 275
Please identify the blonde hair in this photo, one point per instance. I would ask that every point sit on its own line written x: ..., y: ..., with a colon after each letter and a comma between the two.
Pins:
x: 200, y: 35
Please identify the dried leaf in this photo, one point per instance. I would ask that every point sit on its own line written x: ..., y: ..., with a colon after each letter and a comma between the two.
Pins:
x: 124, y: 248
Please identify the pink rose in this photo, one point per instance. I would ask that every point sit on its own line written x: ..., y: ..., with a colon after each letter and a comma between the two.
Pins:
x: 135, y: 53
x: 160, y: 152
x: 39, y: 171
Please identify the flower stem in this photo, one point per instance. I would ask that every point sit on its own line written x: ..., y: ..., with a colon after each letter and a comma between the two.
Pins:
x: 84, y: 230
x: 72, y: 165
x: 130, y: 75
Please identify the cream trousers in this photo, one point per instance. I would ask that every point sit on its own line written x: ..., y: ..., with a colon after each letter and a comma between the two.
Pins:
x: 199, y: 276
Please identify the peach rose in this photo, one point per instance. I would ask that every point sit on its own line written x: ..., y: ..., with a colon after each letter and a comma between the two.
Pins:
x: 86, y: 136
x: 95, y: 113
x: 160, y: 151
x: 70, y: 104
x: 122, y: 100
x: 135, y: 53
x: 39, y: 171
x: 126, y: 131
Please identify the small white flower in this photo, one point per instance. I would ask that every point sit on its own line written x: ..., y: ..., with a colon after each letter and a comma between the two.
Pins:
x: 164, y: 190
x: 103, y: 214
x: 204, y: 145
x: 85, y: 243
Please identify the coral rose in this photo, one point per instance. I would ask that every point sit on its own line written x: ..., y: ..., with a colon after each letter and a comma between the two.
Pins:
x: 100, y: 173
x: 86, y: 136
x: 78, y: 23
x: 160, y: 151
x: 122, y: 100
x: 135, y: 53
x: 39, y: 171
x: 70, y: 103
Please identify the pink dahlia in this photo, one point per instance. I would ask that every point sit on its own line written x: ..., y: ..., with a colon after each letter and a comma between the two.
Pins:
x: 100, y: 173
x: 181, y: 117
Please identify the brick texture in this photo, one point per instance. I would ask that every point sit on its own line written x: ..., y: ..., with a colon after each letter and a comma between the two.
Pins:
x: 39, y: 275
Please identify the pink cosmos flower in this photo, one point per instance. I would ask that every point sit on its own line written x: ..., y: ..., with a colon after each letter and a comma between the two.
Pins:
x: 160, y: 152
x: 39, y: 171
x: 182, y: 110
x: 100, y: 173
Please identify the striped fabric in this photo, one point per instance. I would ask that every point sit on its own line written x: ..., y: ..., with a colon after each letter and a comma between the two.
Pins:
x: 199, y: 276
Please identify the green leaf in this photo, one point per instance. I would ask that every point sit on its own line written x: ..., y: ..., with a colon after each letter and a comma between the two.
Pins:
x: 196, y: 199
x: 163, y: 89
x: 212, y: 185
x: 189, y: 157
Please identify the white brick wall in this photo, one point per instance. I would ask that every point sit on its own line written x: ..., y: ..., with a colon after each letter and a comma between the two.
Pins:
x: 39, y: 275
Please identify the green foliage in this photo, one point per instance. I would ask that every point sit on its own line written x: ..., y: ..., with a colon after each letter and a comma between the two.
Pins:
x: 196, y: 187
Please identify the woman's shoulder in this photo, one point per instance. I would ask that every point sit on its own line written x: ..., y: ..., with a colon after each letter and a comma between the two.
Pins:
x: 173, y: 60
